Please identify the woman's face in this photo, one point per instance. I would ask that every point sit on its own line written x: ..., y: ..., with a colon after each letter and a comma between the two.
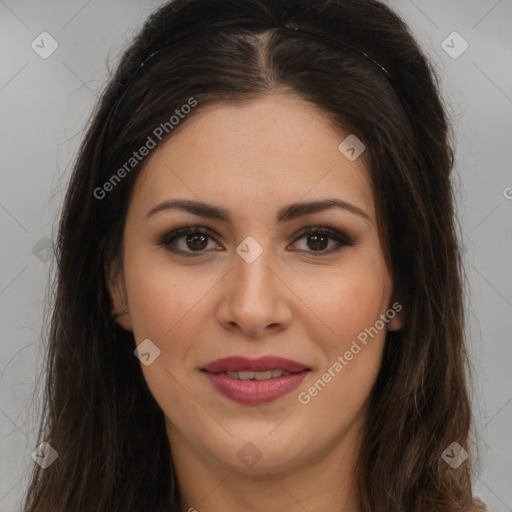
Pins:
x: 254, y: 286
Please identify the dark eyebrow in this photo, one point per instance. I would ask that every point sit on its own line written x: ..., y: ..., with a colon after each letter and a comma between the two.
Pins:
x: 299, y: 209
x: 285, y: 214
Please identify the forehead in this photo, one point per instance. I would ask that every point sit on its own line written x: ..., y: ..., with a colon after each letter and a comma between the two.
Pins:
x: 255, y: 156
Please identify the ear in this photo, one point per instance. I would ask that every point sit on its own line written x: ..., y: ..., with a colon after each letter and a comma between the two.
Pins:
x: 118, y: 296
x: 396, y: 314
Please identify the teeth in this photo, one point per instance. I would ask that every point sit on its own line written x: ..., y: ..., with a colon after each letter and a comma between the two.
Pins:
x: 263, y: 375
x: 270, y: 374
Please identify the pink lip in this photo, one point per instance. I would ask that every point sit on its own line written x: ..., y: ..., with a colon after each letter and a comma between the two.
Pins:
x: 262, y: 364
x: 255, y: 392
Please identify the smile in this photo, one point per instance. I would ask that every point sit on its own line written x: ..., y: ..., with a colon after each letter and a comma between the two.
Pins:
x: 255, y: 382
x: 270, y: 374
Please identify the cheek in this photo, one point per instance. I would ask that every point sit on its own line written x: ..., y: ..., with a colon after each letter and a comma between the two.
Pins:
x: 343, y: 303
x: 350, y: 304
x: 164, y: 304
x: 167, y: 308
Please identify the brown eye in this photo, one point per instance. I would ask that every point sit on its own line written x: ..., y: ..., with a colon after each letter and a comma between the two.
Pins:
x: 187, y: 241
x: 323, y: 240
x: 318, y: 242
x: 197, y: 241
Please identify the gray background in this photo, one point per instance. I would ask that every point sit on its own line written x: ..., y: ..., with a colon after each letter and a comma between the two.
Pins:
x: 45, y: 103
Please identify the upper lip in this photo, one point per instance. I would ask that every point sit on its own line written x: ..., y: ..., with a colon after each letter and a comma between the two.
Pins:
x: 262, y: 364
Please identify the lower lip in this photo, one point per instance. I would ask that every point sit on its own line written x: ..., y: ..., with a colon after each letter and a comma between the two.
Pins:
x: 255, y: 391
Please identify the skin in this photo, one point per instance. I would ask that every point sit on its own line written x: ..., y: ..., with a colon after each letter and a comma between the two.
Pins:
x: 253, y: 159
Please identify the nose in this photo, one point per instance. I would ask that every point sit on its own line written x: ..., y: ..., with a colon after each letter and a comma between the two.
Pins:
x: 255, y: 299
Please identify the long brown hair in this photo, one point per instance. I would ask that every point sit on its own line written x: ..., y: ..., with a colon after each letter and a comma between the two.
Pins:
x: 99, y: 413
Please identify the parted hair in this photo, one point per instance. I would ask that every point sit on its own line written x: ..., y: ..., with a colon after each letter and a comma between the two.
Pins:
x: 99, y: 414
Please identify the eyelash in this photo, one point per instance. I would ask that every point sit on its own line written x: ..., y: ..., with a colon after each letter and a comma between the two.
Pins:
x: 341, y: 239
